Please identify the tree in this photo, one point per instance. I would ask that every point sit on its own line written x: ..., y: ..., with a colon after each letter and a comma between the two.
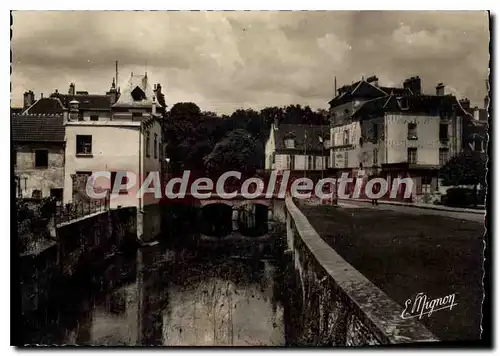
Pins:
x: 466, y: 168
x: 238, y: 151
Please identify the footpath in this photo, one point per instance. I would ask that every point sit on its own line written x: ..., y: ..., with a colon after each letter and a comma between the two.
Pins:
x: 420, y: 205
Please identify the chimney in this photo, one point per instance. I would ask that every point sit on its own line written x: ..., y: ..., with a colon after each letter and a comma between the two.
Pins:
x: 373, y: 80
x: 41, y: 95
x: 74, y: 108
x: 276, y: 123
x: 71, y: 90
x: 476, y: 113
x: 440, y: 89
x: 465, y: 103
x: 153, y: 106
x: 29, y: 99
x: 414, y: 84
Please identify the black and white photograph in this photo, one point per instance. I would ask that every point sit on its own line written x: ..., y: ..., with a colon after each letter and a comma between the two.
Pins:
x: 252, y: 178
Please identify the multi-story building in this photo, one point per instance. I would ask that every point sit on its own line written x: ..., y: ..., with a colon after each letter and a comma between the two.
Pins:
x: 134, y: 125
x: 475, y: 126
x: 395, y: 132
x: 298, y: 148
x: 38, y: 155
x: 126, y: 142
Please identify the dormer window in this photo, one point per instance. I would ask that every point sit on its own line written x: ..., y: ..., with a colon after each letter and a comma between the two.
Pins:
x: 403, y: 103
x: 138, y: 94
x: 289, y: 143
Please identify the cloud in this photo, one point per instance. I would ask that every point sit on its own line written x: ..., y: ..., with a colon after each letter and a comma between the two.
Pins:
x: 228, y: 60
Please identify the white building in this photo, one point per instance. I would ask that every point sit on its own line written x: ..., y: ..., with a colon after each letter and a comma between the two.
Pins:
x: 298, y: 148
x: 128, y: 140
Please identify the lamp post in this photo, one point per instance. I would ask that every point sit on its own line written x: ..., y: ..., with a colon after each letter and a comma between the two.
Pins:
x: 305, y: 152
x: 167, y: 160
x: 322, y: 156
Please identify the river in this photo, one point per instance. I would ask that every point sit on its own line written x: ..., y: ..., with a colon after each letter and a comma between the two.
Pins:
x: 169, y: 297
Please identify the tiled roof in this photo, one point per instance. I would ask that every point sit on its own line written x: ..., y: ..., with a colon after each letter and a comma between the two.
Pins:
x: 87, y: 101
x: 27, y: 128
x: 351, y: 91
x: 45, y: 106
x: 431, y: 104
x: 304, y: 135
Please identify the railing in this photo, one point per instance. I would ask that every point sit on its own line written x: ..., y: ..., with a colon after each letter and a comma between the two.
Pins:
x: 80, y: 209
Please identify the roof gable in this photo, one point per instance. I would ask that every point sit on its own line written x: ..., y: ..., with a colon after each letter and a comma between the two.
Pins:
x: 367, y: 90
x: 50, y: 105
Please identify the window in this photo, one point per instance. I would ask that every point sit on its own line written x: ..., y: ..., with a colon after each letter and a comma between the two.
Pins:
x: 124, y: 180
x: 138, y: 94
x: 37, y: 194
x: 375, y: 132
x: 290, y: 162
x: 310, y: 162
x: 156, y: 146
x: 346, y: 137
x: 346, y: 159
x: 57, y: 193
x: 147, y: 143
x: 412, y: 155
x: 160, y: 151
x: 327, y: 162
x: 80, y: 115
x: 375, y: 156
x: 404, y: 104
x: 412, y: 131
x: 83, y: 144
x: 443, y: 132
x: 273, y: 157
x: 290, y: 143
x: 443, y: 156
x: 41, y: 158
x: 94, y: 117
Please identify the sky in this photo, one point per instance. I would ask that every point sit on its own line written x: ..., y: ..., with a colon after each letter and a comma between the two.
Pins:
x: 224, y: 61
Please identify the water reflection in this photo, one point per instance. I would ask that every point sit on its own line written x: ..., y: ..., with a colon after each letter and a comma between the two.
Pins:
x: 171, y: 298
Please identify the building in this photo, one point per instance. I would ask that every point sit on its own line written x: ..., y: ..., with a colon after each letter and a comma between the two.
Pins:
x: 475, y: 126
x: 298, y: 148
x: 134, y: 125
x: 38, y: 155
x: 395, y: 132
x: 126, y: 139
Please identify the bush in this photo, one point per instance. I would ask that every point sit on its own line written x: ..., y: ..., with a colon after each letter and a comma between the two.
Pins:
x: 461, y: 197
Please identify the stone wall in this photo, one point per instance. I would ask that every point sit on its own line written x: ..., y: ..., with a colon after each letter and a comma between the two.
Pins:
x: 34, y: 178
x: 332, y: 303
x: 37, y: 270
x: 151, y: 223
x: 94, y: 237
